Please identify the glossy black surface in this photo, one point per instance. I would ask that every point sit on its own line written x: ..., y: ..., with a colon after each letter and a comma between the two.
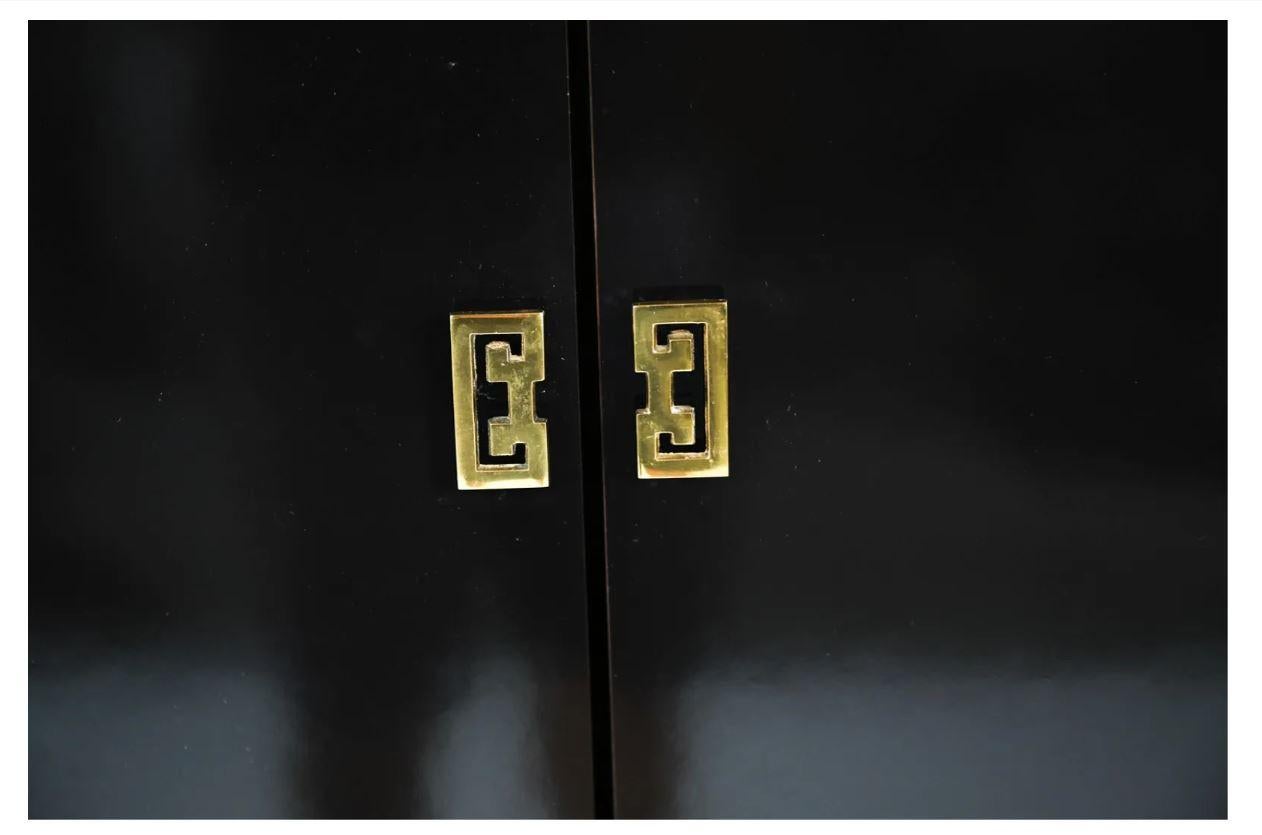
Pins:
x: 971, y: 559
x: 254, y: 588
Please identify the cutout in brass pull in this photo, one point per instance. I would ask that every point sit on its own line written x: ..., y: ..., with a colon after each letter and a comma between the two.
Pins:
x: 661, y: 416
x: 504, y: 433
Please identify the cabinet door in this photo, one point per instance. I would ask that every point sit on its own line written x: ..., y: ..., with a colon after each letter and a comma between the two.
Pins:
x: 254, y: 587
x: 970, y: 559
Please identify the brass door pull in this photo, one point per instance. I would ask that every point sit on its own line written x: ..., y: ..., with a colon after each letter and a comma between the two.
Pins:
x: 659, y: 362
x: 673, y: 440
x: 504, y: 433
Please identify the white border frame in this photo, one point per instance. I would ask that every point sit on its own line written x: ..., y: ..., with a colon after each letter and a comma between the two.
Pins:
x: 1244, y: 268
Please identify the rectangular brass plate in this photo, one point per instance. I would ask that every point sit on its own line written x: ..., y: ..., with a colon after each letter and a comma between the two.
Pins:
x: 661, y: 416
x: 520, y: 425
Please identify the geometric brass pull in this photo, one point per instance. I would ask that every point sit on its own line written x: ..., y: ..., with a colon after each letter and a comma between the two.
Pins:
x: 505, y: 433
x: 662, y: 418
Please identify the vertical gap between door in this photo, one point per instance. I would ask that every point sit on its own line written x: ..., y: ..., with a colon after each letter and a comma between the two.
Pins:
x: 587, y: 297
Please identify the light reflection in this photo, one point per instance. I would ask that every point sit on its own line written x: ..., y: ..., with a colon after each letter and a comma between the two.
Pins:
x: 486, y: 760
x: 107, y: 741
x: 875, y: 740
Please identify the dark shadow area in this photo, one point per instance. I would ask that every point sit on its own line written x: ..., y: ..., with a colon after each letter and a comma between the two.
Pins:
x: 492, y: 398
x: 688, y: 387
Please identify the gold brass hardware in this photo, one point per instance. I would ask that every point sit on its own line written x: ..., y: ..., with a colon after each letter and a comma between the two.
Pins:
x: 662, y: 416
x: 504, y: 433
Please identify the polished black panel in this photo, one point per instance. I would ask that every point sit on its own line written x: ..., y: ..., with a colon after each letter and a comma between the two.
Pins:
x: 971, y: 557
x: 254, y: 587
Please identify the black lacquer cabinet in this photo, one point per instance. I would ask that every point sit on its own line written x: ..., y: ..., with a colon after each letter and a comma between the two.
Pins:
x: 970, y: 559
x: 255, y: 588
